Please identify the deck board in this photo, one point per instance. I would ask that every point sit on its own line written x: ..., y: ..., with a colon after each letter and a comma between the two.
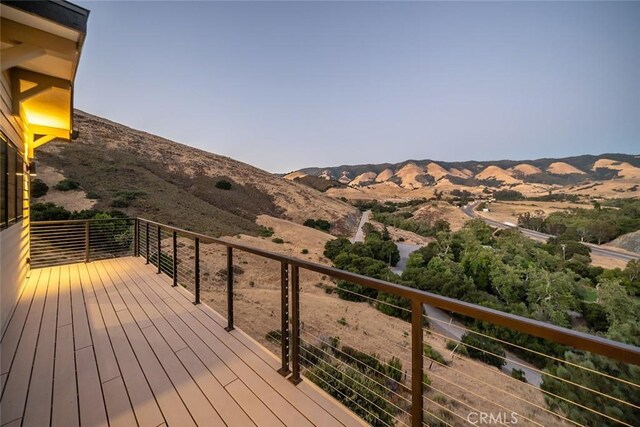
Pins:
x: 112, y: 343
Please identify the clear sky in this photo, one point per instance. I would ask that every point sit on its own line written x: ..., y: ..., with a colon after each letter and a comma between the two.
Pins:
x: 286, y: 85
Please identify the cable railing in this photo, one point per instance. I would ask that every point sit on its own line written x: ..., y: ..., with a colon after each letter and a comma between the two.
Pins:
x: 84, y: 240
x: 436, y: 361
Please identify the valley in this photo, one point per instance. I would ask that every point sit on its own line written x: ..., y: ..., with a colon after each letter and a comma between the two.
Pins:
x: 479, y: 232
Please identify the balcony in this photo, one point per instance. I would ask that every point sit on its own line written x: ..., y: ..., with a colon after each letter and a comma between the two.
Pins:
x: 132, y: 322
x: 113, y: 343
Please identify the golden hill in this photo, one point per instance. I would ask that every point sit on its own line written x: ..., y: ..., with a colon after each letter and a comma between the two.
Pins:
x: 562, y: 168
x: 147, y: 175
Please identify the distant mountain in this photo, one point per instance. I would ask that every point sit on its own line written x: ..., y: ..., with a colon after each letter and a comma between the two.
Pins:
x: 540, y: 174
x: 143, y: 174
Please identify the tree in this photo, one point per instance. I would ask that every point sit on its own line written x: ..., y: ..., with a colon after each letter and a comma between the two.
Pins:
x: 223, y: 184
x: 38, y: 188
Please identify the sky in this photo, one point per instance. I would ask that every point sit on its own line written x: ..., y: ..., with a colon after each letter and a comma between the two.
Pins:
x: 287, y: 85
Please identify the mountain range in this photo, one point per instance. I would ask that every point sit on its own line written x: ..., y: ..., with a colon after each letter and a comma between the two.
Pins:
x: 571, y: 174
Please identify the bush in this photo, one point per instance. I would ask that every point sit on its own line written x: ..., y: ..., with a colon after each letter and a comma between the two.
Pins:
x: 459, y: 348
x: 393, y: 369
x: 223, y: 185
x: 48, y: 212
x: 93, y: 195
x: 433, y: 354
x: 508, y: 195
x: 304, y: 251
x: 358, y: 392
x: 67, y: 185
x: 38, y: 188
x: 484, y: 349
x: 277, y: 240
x: 265, y: 232
x: 318, y: 224
x: 120, y: 203
x: 519, y: 375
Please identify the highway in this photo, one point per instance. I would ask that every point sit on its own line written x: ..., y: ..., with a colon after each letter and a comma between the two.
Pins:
x: 470, y: 211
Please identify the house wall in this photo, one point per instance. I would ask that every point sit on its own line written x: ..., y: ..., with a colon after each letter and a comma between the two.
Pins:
x: 14, y: 240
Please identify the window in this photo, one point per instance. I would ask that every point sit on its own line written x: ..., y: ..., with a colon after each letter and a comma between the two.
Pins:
x: 12, y: 183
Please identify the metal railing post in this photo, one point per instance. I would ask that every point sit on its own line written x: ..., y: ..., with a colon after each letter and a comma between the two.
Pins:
x: 147, y: 244
x: 136, y: 238
x: 197, y: 271
x: 229, y: 289
x: 174, y: 267
x: 295, y: 324
x: 159, y: 249
x: 284, y: 317
x: 86, y: 241
x: 417, y: 387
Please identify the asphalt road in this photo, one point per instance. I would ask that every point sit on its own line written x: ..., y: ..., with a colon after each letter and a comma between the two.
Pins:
x: 469, y: 210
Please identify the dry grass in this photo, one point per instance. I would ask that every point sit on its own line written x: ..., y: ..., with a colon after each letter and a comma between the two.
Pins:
x: 509, y: 211
x: 73, y: 200
x: 461, y: 386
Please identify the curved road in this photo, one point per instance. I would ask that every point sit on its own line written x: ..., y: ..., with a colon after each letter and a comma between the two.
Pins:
x: 440, y: 320
x: 470, y: 211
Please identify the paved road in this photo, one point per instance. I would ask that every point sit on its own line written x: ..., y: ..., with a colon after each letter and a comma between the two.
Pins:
x: 469, y: 210
x: 359, y: 236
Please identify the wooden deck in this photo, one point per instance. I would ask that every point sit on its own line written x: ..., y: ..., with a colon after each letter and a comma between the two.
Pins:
x: 112, y: 343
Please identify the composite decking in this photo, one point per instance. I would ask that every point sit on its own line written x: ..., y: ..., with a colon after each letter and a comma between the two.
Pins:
x: 113, y: 343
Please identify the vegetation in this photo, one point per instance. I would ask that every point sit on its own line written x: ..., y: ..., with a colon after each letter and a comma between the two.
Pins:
x: 319, y: 224
x: 598, y: 225
x: 67, y: 185
x: 38, y: 188
x: 484, y: 349
x: 265, y: 232
x: 223, y: 184
x: 504, y: 270
x: 277, y: 240
x: 403, y: 221
x: 508, y: 195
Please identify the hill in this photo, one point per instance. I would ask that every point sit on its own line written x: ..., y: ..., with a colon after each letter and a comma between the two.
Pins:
x: 147, y: 175
x: 605, y: 175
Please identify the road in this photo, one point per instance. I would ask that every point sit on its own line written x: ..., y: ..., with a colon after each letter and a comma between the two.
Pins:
x: 359, y: 236
x: 470, y: 211
x: 440, y: 320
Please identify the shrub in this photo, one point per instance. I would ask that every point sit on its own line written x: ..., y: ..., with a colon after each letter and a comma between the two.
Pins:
x: 265, y: 232
x: 223, y: 185
x: 358, y: 392
x: 319, y: 224
x: 120, y: 203
x: 485, y: 350
x: 393, y: 369
x: 361, y: 360
x: 277, y: 240
x: 433, y: 354
x: 67, y: 184
x: 519, y: 375
x: 93, y: 195
x: 459, y: 348
x: 38, y: 188
x: 304, y: 251
x: 48, y: 212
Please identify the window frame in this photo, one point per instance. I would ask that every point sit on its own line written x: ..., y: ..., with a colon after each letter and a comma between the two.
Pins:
x: 11, y: 161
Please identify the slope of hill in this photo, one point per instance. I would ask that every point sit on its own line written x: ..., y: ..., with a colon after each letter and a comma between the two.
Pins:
x: 497, y: 173
x: 612, y: 175
x: 562, y: 168
x: 629, y: 241
x: 146, y: 175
